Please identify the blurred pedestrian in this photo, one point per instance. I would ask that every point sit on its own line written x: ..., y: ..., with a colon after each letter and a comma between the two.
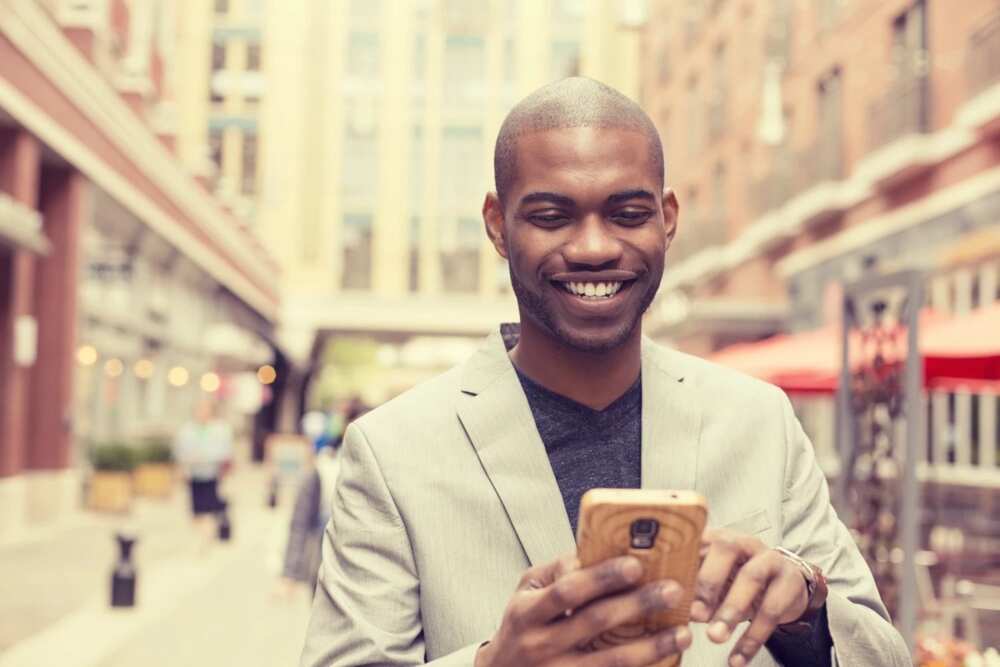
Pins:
x: 313, y: 499
x: 204, y: 449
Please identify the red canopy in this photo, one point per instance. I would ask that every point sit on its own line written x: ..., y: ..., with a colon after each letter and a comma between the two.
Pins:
x: 954, y: 349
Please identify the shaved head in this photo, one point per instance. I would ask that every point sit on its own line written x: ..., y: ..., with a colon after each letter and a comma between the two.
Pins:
x: 573, y: 102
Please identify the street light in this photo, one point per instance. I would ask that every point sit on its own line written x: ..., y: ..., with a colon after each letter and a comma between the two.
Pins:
x: 114, y: 367
x: 87, y: 355
x: 210, y: 382
x: 178, y: 376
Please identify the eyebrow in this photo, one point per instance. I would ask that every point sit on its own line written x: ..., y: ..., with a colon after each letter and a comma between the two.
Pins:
x: 569, y: 202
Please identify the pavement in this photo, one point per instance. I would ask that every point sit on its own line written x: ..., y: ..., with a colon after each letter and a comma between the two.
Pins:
x: 194, y: 606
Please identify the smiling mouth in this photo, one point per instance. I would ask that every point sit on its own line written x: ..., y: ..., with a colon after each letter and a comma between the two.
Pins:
x: 594, y: 291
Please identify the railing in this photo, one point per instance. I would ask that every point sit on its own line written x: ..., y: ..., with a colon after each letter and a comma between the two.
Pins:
x: 982, y: 56
x: 903, y: 109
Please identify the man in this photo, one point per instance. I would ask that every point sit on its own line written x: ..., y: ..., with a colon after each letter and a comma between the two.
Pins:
x: 452, y: 530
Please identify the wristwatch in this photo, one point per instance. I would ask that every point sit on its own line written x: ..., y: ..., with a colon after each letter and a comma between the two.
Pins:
x: 816, y: 590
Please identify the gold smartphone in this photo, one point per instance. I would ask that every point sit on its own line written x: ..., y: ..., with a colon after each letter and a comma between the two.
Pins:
x: 659, y: 527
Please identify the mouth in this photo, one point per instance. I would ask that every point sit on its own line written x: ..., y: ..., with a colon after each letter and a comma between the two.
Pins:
x: 592, y: 290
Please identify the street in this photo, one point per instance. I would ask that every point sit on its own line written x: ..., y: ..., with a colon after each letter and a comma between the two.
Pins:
x: 193, y: 608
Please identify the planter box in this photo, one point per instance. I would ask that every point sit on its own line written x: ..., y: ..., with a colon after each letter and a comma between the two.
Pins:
x: 154, y: 480
x: 110, y: 491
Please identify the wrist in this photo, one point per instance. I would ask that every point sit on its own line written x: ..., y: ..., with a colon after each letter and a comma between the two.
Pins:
x: 816, y: 593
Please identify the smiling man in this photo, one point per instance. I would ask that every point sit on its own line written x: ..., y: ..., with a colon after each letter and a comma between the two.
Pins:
x: 451, y: 536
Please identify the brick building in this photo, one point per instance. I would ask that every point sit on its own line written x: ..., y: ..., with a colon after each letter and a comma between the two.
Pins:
x: 808, y: 140
x: 121, y: 278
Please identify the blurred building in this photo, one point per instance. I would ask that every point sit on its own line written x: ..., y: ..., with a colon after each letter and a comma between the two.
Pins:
x: 377, y: 129
x: 126, y: 289
x: 808, y: 141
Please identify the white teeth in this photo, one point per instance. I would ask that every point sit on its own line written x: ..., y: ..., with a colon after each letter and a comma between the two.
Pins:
x: 593, y: 290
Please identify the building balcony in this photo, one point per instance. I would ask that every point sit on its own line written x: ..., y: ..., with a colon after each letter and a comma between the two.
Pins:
x: 981, y: 111
x: 898, y: 135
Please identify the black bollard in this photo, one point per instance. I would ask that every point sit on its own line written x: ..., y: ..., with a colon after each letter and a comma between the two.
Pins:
x: 222, y: 517
x: 123, y: 576
x: 272, y: 493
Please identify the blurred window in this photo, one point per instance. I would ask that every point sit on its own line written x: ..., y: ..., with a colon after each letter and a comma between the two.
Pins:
x: 363, y: 56
x: 414, y: 254
x: 359, y: 179
x: 461, y: 239
x: 253, y: 8
x: 221, y: 6
x: 909, y: 43
x: 719, y: 199
x: 830, y: 111
x: 829, y: 12
x: 253, y: 57
x: 464, y: 70
x: 357, y: 244
x: 417, y: 164
x: 462, y: 180
x: 366, y: 12
x: 249, y: 175
x: 420, y: 56
x: 777, y: 37
x: 717, y: 103
x: 664, y: 70
x: 694, y: 117
x: 565, y: 60
x: 218, y: 65
x: 215, y: 147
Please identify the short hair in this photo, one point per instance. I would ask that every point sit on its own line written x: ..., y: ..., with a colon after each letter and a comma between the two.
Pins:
x: 573, y: 102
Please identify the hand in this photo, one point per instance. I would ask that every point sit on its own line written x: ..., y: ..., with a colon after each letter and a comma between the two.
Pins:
x: 740, y: 579
x: 560, y: 607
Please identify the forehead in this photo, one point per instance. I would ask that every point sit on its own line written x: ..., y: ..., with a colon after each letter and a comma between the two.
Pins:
x: 591, y: 158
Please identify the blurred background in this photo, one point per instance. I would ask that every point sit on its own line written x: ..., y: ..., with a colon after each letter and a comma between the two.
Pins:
x: 274, y: 204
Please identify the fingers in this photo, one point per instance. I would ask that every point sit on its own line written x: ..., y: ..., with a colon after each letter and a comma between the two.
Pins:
x: 748, y: 586
x: 723, y: 553
x: 784, y: 591
x: 606, y: 614
x: 578, y: 587
x: 646, y: 651
x: 540, y: 576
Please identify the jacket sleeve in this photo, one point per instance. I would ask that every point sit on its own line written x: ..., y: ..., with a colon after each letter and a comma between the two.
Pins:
x: 862, y: 633
x: 366, y: 609
x: 304, y: 517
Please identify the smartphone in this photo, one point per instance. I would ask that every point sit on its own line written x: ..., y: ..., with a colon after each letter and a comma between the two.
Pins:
x: 662, y: 529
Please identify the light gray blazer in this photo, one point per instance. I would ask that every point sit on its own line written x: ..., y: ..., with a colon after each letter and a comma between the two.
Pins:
x: 446, y: 496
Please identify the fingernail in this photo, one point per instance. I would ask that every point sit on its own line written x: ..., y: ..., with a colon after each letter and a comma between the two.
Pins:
x: 699, y: 611
x: 670, y: 592
x: 631, y: 569
x: 683, y: 638
x: 718, y: 631
x: 737, y: 661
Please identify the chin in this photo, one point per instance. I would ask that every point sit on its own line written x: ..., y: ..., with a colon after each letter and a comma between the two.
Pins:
x: 595, y: 342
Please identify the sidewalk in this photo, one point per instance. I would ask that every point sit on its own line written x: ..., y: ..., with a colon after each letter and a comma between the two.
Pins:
x: 192, y: 608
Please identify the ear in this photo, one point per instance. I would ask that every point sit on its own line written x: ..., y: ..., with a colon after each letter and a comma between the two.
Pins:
x: 670, y: 211
x: 493, y: 218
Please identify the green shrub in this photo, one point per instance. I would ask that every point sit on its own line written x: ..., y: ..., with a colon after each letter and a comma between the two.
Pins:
x: 156, y: 450
x: 113, y: 457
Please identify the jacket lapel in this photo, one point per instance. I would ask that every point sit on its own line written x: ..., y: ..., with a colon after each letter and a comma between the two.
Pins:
x: 498, y: 421
x: 671, y: 423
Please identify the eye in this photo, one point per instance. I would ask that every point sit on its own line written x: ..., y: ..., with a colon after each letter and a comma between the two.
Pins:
x: 552, y: 219
x: 631, y: 217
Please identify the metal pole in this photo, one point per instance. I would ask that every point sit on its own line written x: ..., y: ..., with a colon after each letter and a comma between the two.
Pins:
x: 844, y: 432
x: 910, y: 510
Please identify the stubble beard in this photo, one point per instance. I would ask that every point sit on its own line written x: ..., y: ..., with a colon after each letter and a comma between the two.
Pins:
x: 536, y: 307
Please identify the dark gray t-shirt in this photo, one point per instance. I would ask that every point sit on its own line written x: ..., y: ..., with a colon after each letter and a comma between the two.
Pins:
x: 588, y: 448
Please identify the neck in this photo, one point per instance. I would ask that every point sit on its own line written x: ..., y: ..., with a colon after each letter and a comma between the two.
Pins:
x: 594, y: 379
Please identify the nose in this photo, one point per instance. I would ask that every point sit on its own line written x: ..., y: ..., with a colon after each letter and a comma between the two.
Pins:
x: 593, y: 244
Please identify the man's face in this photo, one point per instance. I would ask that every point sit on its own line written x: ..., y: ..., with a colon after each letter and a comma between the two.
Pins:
x: 585, y: 228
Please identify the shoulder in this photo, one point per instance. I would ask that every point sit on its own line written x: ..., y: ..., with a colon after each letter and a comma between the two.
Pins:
x: 429, y: 403
x: 716, y: 385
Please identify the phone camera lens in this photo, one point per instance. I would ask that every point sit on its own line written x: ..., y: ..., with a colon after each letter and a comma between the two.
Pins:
x: 644, y: 533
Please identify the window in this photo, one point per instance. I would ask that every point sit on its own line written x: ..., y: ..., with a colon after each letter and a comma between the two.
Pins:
x: 357, y: 245
x: 363, y: 56
x: 253, y: 57
x: 777, y: 37
x: 215, y: 147
x: 829, y: 106
x: 218, y: 65
x: 693, y: 118
x: 416, y: 174
x: 414, y: 254
x: 359, y: 179
x: 717, y: 104
x: 420, y: 56
x: 462, y: 164
x: 249, y: 180
x: 664, y: 70
x: 221, y: 7
x: 565, y: 60
x: 464, y: 70
x: 461, y: 240
x: 719, y: 203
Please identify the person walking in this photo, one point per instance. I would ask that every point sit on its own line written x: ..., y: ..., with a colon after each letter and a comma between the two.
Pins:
x: 204, y: 449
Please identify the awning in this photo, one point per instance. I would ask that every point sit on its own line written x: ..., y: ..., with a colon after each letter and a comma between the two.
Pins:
x: 964, y: 348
